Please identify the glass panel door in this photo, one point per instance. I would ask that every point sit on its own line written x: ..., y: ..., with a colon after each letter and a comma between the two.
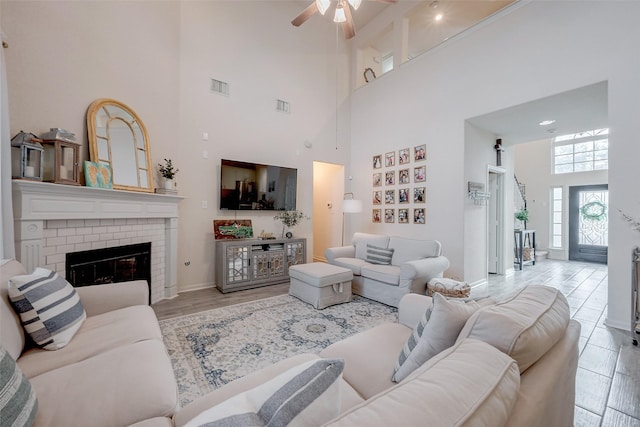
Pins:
x: 589, y: 223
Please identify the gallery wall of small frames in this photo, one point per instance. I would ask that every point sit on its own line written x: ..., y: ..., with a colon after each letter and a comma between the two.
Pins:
x: 399, y: 186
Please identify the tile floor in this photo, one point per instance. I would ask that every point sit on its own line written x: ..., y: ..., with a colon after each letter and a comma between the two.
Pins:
x: 608, y: 377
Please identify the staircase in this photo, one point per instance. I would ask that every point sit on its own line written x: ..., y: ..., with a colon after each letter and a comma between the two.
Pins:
x: 520, y: 199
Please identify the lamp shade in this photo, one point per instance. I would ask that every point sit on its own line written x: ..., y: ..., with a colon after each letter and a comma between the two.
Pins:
x: 340, y: 15
x: 351, y: 206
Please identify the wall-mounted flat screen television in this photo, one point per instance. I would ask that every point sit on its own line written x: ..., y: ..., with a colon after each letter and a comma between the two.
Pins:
x: 253, y: 186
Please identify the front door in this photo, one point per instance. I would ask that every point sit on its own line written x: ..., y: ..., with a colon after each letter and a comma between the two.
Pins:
x: 589, y: 223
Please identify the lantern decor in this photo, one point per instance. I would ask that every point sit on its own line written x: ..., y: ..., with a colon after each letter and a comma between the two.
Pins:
x: 61, y: 157
x: 26, y: 156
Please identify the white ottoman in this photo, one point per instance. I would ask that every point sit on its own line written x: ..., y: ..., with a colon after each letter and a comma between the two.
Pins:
x: 320, y: 284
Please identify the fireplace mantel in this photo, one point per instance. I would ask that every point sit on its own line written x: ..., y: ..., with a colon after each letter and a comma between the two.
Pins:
x: 36, y: 204
x: 34, y: 200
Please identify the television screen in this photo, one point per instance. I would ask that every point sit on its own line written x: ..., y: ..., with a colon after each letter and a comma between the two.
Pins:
x: 251, y: 186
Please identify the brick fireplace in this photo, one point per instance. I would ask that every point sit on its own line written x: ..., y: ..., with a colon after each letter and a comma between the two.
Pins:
x: 52, y: 220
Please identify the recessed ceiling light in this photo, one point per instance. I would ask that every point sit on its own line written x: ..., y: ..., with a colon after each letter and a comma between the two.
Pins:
x: 546, y: 122
x: 439, y: 17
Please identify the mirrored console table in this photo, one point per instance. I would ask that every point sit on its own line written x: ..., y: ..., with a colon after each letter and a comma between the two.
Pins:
x: 247, y: 263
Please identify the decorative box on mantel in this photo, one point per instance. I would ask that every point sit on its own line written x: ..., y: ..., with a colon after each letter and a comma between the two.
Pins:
x: 52, y: 220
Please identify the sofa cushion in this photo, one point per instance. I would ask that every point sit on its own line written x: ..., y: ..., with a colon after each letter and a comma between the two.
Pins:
x: 18, y: 402
x: 437, y: 331
x: 49, y: 307
x: 360, y: 241
x: 387, y: 274
x: 97, y: 335
x: 116, y: 388
x: 412, y: 249
x: 370, y: 356
x: 353, y: 264
x: 307, y: 394
x: 378, y: 255
x: 11, y: 330
x: 470, y: 384
x: 524, y: 325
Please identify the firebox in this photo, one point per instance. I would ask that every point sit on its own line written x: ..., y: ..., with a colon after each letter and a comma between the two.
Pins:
x: 109, y: 265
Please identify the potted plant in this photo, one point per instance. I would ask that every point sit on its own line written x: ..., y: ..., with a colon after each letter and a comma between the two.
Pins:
x: 523, y: 216
x: 289, y: 219
x: 168, y: 172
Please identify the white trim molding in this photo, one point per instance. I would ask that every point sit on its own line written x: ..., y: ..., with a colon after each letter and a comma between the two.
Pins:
x: 52, y: 220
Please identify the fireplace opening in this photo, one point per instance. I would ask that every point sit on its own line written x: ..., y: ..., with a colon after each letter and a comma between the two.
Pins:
x: 110, y: 265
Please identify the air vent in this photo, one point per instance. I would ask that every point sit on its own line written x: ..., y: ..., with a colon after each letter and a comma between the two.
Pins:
x: 283, y: 106
x: 220, y: 87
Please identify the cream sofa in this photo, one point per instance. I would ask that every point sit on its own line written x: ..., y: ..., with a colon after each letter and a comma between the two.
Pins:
x: 413, y: 264
x: 514, y: 364
x: 115, y: 371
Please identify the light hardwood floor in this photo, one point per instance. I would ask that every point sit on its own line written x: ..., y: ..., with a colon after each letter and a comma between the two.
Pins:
x: 608, y: 377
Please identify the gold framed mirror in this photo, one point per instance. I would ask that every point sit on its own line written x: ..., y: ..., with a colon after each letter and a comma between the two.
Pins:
x: 118, y: 138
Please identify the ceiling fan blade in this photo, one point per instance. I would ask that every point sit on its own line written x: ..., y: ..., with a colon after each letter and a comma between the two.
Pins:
x: 348, y: 28
x: 306, y: 14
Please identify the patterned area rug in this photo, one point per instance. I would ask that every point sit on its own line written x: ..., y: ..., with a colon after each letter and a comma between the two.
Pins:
x: 211, y: 348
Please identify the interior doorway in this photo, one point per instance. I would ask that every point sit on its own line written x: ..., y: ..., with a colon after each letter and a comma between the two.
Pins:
x: 495, y: 221
x: 588, y: 223
x: 328, y: 190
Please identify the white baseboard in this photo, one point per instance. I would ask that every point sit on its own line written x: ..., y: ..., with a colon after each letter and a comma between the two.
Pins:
x: 478, y: 283
x: 196, y: 287
x: 625, y: 326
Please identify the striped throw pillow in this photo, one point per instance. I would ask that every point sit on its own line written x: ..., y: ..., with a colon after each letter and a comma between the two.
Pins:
x: 412, y: 341
x: 307, y: 394
x: 440, y: 332
x: 49, y: 307
x: 378, y: 255
x: 18, y: 402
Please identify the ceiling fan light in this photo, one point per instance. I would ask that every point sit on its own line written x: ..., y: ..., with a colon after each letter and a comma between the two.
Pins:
x: 339, y: 16
x: 323, y: 5
x: 355, y: 3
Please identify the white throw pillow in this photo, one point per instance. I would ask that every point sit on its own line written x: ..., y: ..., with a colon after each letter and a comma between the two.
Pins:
x: 437, y: 331
x: 49, y: 307
x: 307, y: 394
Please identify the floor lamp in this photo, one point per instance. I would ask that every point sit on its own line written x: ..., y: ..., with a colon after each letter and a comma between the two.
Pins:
x: 349, y: 205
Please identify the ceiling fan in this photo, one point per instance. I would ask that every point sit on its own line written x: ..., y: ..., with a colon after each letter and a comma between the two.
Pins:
x: 342, y: 13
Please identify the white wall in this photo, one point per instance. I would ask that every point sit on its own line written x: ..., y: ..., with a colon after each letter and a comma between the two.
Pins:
x: 158, y: 57
x: 253, y: 47
x: 533, y: 164
x: 478, y: 154
x: 537, y: 50
x: 65, y: 55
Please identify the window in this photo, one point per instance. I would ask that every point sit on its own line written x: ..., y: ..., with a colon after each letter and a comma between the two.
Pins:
x: 556, y: 217
x: 581, y: 152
